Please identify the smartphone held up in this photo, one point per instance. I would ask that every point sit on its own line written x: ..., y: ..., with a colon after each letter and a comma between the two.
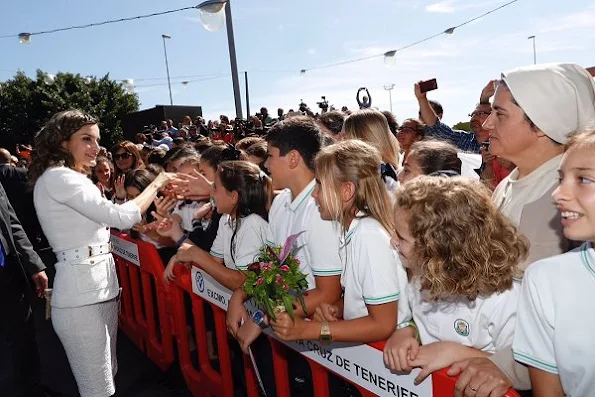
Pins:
x: 429, y: 85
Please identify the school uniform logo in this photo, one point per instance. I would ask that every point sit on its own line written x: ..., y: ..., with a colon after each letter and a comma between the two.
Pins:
x: 462, y: 327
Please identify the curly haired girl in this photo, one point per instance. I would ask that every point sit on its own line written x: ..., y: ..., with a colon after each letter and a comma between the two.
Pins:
x: 462, y: 254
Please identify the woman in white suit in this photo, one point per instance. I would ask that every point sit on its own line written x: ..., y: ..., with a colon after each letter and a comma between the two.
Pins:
x: 76, y: 220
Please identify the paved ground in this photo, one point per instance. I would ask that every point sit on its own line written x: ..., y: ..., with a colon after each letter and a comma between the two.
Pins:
x: 137, y: 376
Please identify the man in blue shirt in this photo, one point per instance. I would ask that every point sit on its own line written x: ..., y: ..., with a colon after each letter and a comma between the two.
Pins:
x: 430, y: 112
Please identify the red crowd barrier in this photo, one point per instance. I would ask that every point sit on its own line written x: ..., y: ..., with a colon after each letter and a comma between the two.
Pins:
x: 141, y: 277
x: 141, y: 273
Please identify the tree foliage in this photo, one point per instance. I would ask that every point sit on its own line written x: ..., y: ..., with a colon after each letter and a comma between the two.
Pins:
x: 463, y: 125
x: 27, y: 104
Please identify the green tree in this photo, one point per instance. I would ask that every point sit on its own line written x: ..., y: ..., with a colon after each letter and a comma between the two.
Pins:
x: 463, y: 125
x: 27, y: 104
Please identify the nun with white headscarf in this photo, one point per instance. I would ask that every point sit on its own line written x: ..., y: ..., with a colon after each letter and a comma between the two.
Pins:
x: 535, y: 110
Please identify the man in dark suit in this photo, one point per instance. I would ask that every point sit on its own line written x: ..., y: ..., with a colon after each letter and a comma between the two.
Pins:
x: 15, y: 184
x: 19, y: 265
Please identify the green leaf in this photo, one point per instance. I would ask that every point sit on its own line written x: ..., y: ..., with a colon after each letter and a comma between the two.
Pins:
x: 288, y: 303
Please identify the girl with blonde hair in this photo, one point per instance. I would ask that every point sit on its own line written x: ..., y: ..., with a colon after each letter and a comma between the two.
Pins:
x: 370, y: 126
x: 462, y: 254
x: 350, y: 192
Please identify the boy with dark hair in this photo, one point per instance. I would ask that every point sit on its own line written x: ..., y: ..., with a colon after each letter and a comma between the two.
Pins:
x: 292, y: 146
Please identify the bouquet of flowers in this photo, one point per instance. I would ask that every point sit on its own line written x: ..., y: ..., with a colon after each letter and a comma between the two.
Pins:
x: 275, y: 280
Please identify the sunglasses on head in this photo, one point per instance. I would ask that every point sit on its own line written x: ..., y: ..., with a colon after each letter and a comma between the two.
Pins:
x: 122, y: 156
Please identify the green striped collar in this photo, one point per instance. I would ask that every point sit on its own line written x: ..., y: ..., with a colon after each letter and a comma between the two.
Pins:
x: 303, y: 196
x: 586, y: 251
x: 346, y: 238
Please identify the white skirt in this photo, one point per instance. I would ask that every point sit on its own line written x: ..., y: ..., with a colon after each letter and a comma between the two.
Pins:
x: 88, y: 334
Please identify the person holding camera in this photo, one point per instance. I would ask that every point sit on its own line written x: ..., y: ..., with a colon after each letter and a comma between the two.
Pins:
x: 431, y: 112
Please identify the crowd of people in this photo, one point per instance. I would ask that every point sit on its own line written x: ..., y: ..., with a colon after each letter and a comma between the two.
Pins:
x: 467, y: 267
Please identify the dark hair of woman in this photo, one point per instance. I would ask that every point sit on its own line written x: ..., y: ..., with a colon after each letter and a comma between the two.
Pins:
x: 202, y: 144
x: 255, y: 191
x: 48, y: 150
x: 219, y: 153
x: 139, y: 178
x: 433, y: 156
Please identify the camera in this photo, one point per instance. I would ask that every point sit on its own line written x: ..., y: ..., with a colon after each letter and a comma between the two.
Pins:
x: 303, y: 107
x: 323, y: 105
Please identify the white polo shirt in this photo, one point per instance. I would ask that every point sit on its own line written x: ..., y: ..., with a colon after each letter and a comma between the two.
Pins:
x: 318, y: 248
x: 373, y: 273
x: 487, y: 324
x: 250, y: 237
x: 186, y: 211
x: 556, y: 323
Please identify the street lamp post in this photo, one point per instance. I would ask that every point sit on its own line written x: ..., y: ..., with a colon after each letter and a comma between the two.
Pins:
x: 164, y: 36
x: 389, y: 88
x: 211, y: 13
x: 534, y: 51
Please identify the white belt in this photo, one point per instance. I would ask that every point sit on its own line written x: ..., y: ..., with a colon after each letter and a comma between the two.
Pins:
x: 83, y: 252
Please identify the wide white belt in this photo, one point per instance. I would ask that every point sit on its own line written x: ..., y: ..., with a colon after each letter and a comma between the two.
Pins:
x: 83, y: 252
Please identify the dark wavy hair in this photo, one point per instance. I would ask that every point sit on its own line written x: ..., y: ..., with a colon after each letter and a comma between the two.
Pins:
x: 48, y: 151
x: 255, y: 191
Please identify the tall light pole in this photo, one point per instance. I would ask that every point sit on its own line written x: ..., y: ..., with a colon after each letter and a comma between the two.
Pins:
x: 534, y: 52
x: 389, y: 88
x: 212, y: 13
x: 164, y: 36
x: 247, y: 96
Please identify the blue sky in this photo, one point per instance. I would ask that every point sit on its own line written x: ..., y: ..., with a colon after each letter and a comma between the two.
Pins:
x: 275, y: 39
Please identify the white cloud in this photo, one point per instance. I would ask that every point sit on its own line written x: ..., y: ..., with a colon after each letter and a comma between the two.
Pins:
x: 444, y: 6
x: 575, y: 21
x: 449, y: 6
x: 311, y: 51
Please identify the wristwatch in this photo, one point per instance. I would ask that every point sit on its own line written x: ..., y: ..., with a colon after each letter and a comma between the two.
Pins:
x: 326, y: 336
x: 258, y: 318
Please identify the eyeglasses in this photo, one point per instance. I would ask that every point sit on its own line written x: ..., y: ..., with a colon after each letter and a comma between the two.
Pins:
x: 407, y: 129
x: 480, y: 113
x: 122, y: 156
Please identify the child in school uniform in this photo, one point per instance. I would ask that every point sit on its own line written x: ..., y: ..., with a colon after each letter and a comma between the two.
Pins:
x: 242, y: 195
x: 462, y: 254
x: 292, y: 146
x: 555, y: 325
x: 185, y: 161
x: 349, y: 190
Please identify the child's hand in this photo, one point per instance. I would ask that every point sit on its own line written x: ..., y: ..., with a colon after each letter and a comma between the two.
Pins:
x: 326, y: 312
x: 167, y: 227
x: 168, y: 273
x: 164, y: 205
x: 435, y: 356
x: 203, y: 211
x: 247, y: 334
x: 286, y: 328
x: 400, y: 349
x: 119, y: 187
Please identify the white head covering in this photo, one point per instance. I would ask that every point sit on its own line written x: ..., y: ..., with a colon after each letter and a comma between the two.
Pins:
x: 558, y: 98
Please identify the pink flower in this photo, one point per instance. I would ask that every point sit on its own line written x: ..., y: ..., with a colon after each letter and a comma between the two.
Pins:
x: 278, y: 279
x: 284, y: 268
x: 297, y: 261
x: 265, y: 266
x: 285, y: 287
x: 259, y: 280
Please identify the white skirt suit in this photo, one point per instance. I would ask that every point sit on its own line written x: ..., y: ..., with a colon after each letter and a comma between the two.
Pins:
x: 76, y: 220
